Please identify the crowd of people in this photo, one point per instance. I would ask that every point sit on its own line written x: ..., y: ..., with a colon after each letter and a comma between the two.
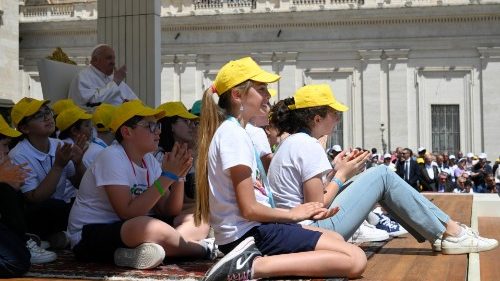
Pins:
x: 119, y: 182
x: 439, y: 172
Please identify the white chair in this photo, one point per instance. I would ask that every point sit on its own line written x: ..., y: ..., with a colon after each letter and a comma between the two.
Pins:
x: 56, y: 78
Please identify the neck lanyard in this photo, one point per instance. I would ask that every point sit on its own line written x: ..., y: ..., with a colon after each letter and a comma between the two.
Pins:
x: 145, y: 166
x: 262, y: 171
x: 100, y: 143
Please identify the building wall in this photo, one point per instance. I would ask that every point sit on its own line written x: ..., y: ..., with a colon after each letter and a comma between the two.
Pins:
x: 388, y: 65
x: 9, y: 46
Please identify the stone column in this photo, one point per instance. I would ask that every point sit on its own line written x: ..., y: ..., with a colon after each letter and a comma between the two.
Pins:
x: 132, y: 28
x: 9, y: 49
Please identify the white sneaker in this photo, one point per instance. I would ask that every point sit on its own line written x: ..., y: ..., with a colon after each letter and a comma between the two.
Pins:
x: 368, y: 233
x: 436, y: 245
x: 144, y: 256
x: 470, y: 242
x: 39, y: 255
x: 212, y: 249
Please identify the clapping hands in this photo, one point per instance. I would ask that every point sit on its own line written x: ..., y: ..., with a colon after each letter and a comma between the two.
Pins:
x: 12, y: 174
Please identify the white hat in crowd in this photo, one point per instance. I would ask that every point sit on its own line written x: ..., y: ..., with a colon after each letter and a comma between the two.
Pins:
x: 452, y: 157
x: 421, y: 149
x: 483, y: 156
x: 337, y: 148
x: 387, y: 155
x: 462, y: 159
x: 470, y: 155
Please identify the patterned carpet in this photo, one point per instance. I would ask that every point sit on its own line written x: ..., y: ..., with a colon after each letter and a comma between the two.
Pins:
x: 66, y: 267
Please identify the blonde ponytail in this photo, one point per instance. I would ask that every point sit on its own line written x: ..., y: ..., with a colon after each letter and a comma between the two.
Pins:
x: 211, y: 118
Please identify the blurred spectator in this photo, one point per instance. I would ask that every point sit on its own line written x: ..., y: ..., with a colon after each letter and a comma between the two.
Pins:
x: 428, y: 174
x: 333, y: 151
x: 444, y: 183
x: 460, y: 169
x: 387, y: 162
x: 463, y: 184
x: 479, y: 172
x: 408, y: 169
x: 489, y: 183
x: 442, y: 165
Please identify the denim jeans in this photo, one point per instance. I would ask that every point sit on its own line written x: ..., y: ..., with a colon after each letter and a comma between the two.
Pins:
x: 14, y: 256
x: 380, y: 185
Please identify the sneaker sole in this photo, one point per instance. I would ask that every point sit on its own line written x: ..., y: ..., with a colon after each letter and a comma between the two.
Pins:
x: 465, y: 250
x: 372, y: 239
x: 144, y: 256
x: 245, y: 244
x: 398, y: 233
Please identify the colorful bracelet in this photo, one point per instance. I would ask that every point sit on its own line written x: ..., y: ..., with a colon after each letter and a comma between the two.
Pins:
x: 159, y: 187
x: 170, y: 175
x: 339, y: 183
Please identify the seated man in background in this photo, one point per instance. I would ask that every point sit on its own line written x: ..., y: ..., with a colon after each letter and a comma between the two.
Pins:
x: 101, y: 81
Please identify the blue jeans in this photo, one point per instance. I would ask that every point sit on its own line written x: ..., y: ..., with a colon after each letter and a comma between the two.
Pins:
x: 14, y: 256
x: 380, y: 185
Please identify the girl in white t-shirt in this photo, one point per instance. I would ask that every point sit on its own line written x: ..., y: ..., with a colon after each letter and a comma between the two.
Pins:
x: 259, y: 241
x: 299, y: 166
x: 113, y: 217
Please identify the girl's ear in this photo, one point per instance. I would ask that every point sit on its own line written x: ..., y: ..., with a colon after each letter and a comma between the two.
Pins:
x: 317, y: 119
x: 125, y: 131
x: 236, y: 95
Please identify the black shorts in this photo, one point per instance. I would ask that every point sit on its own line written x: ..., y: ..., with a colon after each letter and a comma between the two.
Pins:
x: 99, y: 242
x: 279, y: 238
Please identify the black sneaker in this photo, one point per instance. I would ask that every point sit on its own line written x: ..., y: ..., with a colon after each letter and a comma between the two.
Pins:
x: 237, y: 264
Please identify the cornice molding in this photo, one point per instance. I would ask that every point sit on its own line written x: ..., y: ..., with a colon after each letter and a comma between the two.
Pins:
x: 43, y: 33
x: 168, y: 26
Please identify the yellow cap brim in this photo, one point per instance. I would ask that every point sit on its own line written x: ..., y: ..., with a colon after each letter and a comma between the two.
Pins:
x: 9, y: 132
x: 265, y: 77
x: 35, y: 106
x: 338, y: 106
x: 156, y: 113
x: 186, y: 115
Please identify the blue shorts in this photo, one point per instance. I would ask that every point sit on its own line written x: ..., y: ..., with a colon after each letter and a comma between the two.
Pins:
x: 279, y: 238
x: 99, y: 242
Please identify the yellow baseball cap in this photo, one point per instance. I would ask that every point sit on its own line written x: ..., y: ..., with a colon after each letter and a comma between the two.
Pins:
x: 316, y: 95
x: 272, y: 92
x: 236, y: 72
x: 102, y: 116
x: 60, y: 105
x: 130, y: 109
x: 24, y: 108
x: 6, y: 130
x: 176, y: 108
x: 69, y: 117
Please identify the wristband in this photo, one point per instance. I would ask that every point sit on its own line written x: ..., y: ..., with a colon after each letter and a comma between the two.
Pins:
x: 160, y: 188
x: 170, y: 175
x: 339, y: 183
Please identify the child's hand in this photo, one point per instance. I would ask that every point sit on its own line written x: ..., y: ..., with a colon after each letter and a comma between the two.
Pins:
x: 12, y: 174
x: 327, y: 214
x: 307, y: 211
x: 63, y: 155
x: 178, y: 161
x: 349, y: 164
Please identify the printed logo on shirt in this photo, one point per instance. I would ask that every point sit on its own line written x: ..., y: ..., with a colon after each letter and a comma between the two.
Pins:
x: 138, y: 189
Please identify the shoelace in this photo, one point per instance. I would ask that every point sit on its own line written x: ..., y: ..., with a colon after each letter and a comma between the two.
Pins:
x: 384, y: 220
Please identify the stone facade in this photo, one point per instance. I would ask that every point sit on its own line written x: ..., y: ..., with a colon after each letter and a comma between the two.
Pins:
x: 9, y: 49
x: 389, y: 61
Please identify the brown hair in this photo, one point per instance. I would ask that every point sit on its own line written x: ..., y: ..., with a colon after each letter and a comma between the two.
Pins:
x: 212, y: 115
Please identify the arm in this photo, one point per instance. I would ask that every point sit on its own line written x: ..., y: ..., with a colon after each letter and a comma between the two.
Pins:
x: 12, y: 174
x: 48, y: 185
x: 266, y: 161
x: 171, y: 205
x: 252, y: 210
x: 127, y: 207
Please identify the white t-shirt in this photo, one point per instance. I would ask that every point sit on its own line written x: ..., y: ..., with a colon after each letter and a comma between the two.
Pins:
x: 298, y: 159
x: 259, y: 139
x: 40, y: 164
x: 230, y: 147
x: 91, y: 85
x: 111, y: 167
x: 95, y: 147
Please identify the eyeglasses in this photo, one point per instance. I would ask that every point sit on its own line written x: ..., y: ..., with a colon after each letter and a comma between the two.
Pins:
x: 43, y: 114
x: 153, y: 126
